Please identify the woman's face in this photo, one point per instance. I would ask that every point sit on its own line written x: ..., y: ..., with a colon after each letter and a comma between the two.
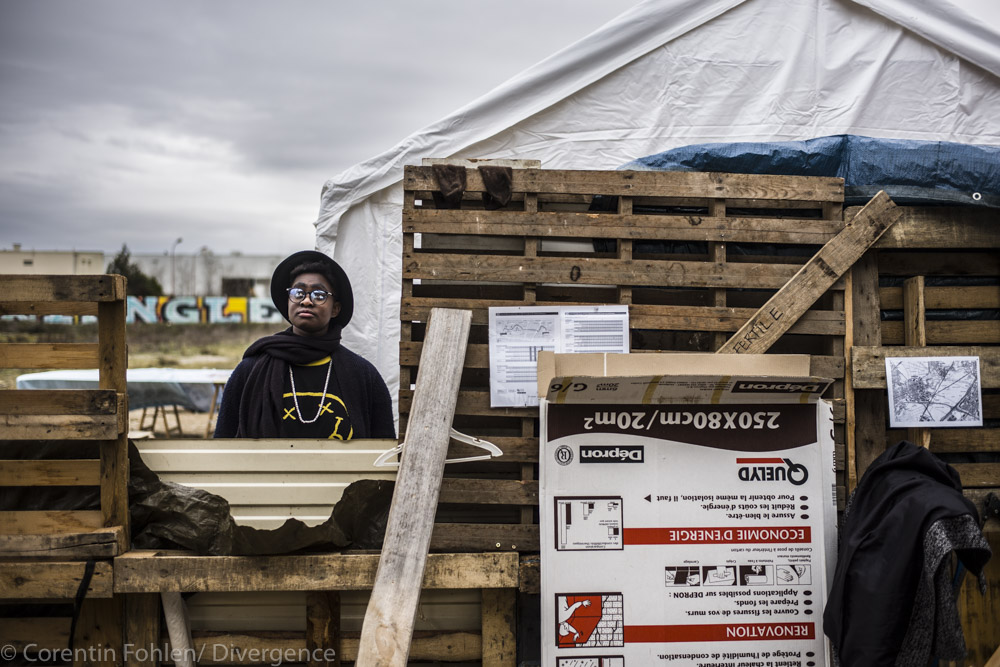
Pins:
x: 307, y: 317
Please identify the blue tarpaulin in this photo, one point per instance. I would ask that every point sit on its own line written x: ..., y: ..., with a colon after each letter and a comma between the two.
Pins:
x: 911, y: 172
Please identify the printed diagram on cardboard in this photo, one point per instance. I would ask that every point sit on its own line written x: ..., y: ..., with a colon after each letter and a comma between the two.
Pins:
x: 589, y: 620
x: 584, y: 524
x: 793, y: 574
x: 934, y: 391
x: 592, y: 661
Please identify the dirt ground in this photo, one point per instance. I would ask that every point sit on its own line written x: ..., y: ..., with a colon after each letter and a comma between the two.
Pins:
x: 182, y: 424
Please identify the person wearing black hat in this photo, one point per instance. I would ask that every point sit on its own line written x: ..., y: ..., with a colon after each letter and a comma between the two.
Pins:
x: 301, y: 382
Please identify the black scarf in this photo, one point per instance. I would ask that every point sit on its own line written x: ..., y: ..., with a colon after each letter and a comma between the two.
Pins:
x: 261, y: 401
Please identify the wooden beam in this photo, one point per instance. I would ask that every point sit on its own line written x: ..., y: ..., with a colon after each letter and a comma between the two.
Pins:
x: 945, y: 297
x: 61, y: 472
x: 99, y: 625
x: 869, y: 362
x: 915, y: 335
x: 499, y: 623
x: 486, y: 537
x: 48, y: 355
x: 867, y: 418
x: 389, y: 620
x: 42, y: 308
x: 46, y: 522
x: 641, y: 316
x: 595, y: 271
x: 60, y: 427
x: 19, y: 580
x: 41, y: 633
x: 834, y: 259
x: 95, y: 544
x: 101, y: 288
x: 650, y: 184
x: 623, y: 226
x: 142, y: 630
x: 140, y: 571
x: 943, y: 227
x: 114, y: 451
x: 323, y: 628
x: 58, y: 402
x: 944, y: 332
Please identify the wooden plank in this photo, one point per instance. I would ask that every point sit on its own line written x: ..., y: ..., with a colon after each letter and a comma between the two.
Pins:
x: 141, y: 571
x: 569, y: 224
x: 48, y: 355
x: 594, y: 271
x: 941, y: 227
x: 980, y: 610
x: 945, y: 297
x: 20, y: 580
x: 650, y: 184
x: 942, y: 332
x: 833, y: 260
x: 101, y: 288
x: 869, y: 362
x: 453, y: 490
x: 63, y: 472
x: 978, y: 474
x: 58, y: 402
x: 40, y: 522
x: 915, y: 335
x: 958, y: 440
x: 229, y: 648
x: 60, y: 427
x: 847, y: 389
x: 142, y: 630
x: 868, y: 413
x: 99, y: 625
x: 323, y: 628
x: 489, y: 491
x: 41, y: 633
x: 389, y: 620
x: 486, y: 537
x: 114, y: 452
x: 95, y: 544
x: 499, y: 614
x: 43, y: 308
x: 956, y: 262
x: 645, y: 316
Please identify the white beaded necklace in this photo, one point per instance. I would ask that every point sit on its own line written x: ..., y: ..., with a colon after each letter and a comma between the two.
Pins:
x: 295, y: 397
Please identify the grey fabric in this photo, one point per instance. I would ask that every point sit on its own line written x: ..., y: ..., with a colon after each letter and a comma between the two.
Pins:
x: 935, y: 627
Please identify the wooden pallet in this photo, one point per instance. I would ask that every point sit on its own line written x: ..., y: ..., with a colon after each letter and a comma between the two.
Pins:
x: 43, y: 553
x: 904, y: 306
x: 692, y: 254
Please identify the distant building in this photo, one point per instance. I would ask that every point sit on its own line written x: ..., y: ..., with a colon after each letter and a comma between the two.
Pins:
x: 201, y: 274
x: 208, y: 274
x: 49, y: 262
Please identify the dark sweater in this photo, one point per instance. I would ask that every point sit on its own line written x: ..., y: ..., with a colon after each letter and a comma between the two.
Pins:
x: 359, y: 385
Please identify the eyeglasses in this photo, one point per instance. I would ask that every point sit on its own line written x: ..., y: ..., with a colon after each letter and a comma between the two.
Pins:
x: 298, y: 295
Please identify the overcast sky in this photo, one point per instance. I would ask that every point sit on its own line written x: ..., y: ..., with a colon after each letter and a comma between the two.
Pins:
x: 218, y: 122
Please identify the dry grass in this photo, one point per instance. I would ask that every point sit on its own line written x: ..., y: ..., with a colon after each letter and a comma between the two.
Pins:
x: 150, y: 345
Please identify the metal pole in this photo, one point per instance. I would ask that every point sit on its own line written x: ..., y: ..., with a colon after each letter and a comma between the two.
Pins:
x: 173, y: 267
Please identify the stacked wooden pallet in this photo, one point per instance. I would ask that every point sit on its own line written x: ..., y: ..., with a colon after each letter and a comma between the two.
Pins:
x: 932, y: 288
x: 692, y: 254
x: 46, y: 553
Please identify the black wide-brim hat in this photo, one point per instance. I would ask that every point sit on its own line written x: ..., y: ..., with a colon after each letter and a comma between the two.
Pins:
x: 281, y: 280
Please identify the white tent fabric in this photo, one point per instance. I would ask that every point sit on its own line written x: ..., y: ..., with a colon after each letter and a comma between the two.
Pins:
x: 669, y: 73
